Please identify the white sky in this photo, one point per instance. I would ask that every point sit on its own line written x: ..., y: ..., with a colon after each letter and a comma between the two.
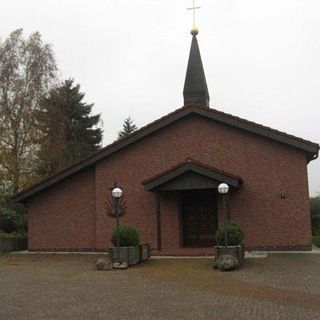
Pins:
x: 261, y: 57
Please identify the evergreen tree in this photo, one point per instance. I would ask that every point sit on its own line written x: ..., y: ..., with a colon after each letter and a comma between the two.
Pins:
x: 128, y: 127
x: 70, y: 132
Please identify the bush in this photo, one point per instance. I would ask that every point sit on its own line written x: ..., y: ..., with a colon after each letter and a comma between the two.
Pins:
x: 316, y: 240
x: 7, y: 219
x: 12, y: 217
x: 234, y: 233
x: 13, y: 235
x: 315, y: 215
x: 129, y: 236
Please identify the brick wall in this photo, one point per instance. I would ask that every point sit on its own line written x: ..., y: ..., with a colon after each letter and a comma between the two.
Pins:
x: 63, y: 217
x: 267, y: 168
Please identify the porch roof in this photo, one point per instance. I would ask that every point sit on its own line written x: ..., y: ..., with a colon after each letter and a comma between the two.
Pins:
x: 191, y: 174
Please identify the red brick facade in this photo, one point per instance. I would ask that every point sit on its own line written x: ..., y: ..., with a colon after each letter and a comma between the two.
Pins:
x: 70, y: 215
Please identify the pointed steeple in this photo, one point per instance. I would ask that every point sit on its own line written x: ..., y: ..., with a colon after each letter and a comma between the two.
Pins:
x: 195, y: 85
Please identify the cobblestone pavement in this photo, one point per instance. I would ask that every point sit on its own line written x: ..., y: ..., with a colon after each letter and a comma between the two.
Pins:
x: 281, y: 286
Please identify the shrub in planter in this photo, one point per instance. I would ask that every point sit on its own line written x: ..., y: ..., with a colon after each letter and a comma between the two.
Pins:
x: 234, y: 234
x: 129, y: 236
x: 129, y: 250
x: 235, y: 237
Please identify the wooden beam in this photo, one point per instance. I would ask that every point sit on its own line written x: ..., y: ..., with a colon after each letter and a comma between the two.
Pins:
x: 158, y: 214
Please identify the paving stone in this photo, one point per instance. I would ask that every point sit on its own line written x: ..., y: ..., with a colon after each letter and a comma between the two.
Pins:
x: 54, y: 287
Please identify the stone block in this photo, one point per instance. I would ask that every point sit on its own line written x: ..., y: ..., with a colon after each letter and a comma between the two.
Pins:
x: 227, y: 263
x: 104, y: 264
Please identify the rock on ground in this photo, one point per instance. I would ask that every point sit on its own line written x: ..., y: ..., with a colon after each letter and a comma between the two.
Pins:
x: 121, y: 266
x: 227, y: 262
x: 104, y: 264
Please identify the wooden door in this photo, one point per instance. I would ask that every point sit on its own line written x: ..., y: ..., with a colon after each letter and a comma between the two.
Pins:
x: 200, y: 222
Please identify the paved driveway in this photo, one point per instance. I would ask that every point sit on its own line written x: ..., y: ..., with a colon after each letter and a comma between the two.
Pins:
x: 281, y: 286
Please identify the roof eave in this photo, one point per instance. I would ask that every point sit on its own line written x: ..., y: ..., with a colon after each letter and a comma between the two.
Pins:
x: 161, y: 179
x: 310, y: 148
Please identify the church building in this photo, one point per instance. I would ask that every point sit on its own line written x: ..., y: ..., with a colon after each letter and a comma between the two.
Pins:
x: 169, y: 171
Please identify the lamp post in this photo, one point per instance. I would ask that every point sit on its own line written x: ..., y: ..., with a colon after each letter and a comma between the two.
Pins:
x: 117, y: 193
x: 223, y: 189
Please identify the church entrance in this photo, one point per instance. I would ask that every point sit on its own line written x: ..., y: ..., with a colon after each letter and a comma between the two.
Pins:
x: 199, y: 217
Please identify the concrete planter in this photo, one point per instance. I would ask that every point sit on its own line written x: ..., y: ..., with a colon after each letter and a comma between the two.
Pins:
x: 144, y: 251
x: 235, y: 251
x: 7, y: 245
x: 130, y: 255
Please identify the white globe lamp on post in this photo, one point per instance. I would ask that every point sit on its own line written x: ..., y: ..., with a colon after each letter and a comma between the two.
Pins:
x: 117, y: 193
x: 223, y: 189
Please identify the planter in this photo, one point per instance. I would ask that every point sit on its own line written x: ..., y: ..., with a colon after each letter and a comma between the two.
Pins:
x: 131, y: 255
x: 236, y: 251
x: 13, y: 244
x: 144, y: 251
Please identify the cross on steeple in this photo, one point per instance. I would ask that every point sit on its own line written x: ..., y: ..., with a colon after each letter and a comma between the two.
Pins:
x: 194, y: 8
x: 195, y: 88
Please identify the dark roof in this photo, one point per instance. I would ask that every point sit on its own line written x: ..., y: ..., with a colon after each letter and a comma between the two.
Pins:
x: 310, y: 148
x: 195, y: 86
x: 195, y: 166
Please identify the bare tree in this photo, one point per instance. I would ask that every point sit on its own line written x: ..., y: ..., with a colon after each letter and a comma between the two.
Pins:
x: 27, y: 72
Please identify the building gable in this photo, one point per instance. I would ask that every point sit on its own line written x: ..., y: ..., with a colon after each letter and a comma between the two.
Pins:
x: 191, y: 175
x: 311, y: 149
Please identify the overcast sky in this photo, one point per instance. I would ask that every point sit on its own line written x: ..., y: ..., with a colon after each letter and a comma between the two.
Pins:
x: 261, y: 57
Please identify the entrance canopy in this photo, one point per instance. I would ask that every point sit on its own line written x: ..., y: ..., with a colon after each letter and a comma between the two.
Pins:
x: 191, y: 175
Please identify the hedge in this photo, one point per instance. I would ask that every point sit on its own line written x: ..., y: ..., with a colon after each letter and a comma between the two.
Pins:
x: 316, y: 240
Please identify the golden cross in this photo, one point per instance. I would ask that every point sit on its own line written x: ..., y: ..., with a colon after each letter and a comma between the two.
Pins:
x: 194, y: 8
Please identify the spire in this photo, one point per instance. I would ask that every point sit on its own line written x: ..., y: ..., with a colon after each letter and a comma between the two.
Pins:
x: 195, y: 85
